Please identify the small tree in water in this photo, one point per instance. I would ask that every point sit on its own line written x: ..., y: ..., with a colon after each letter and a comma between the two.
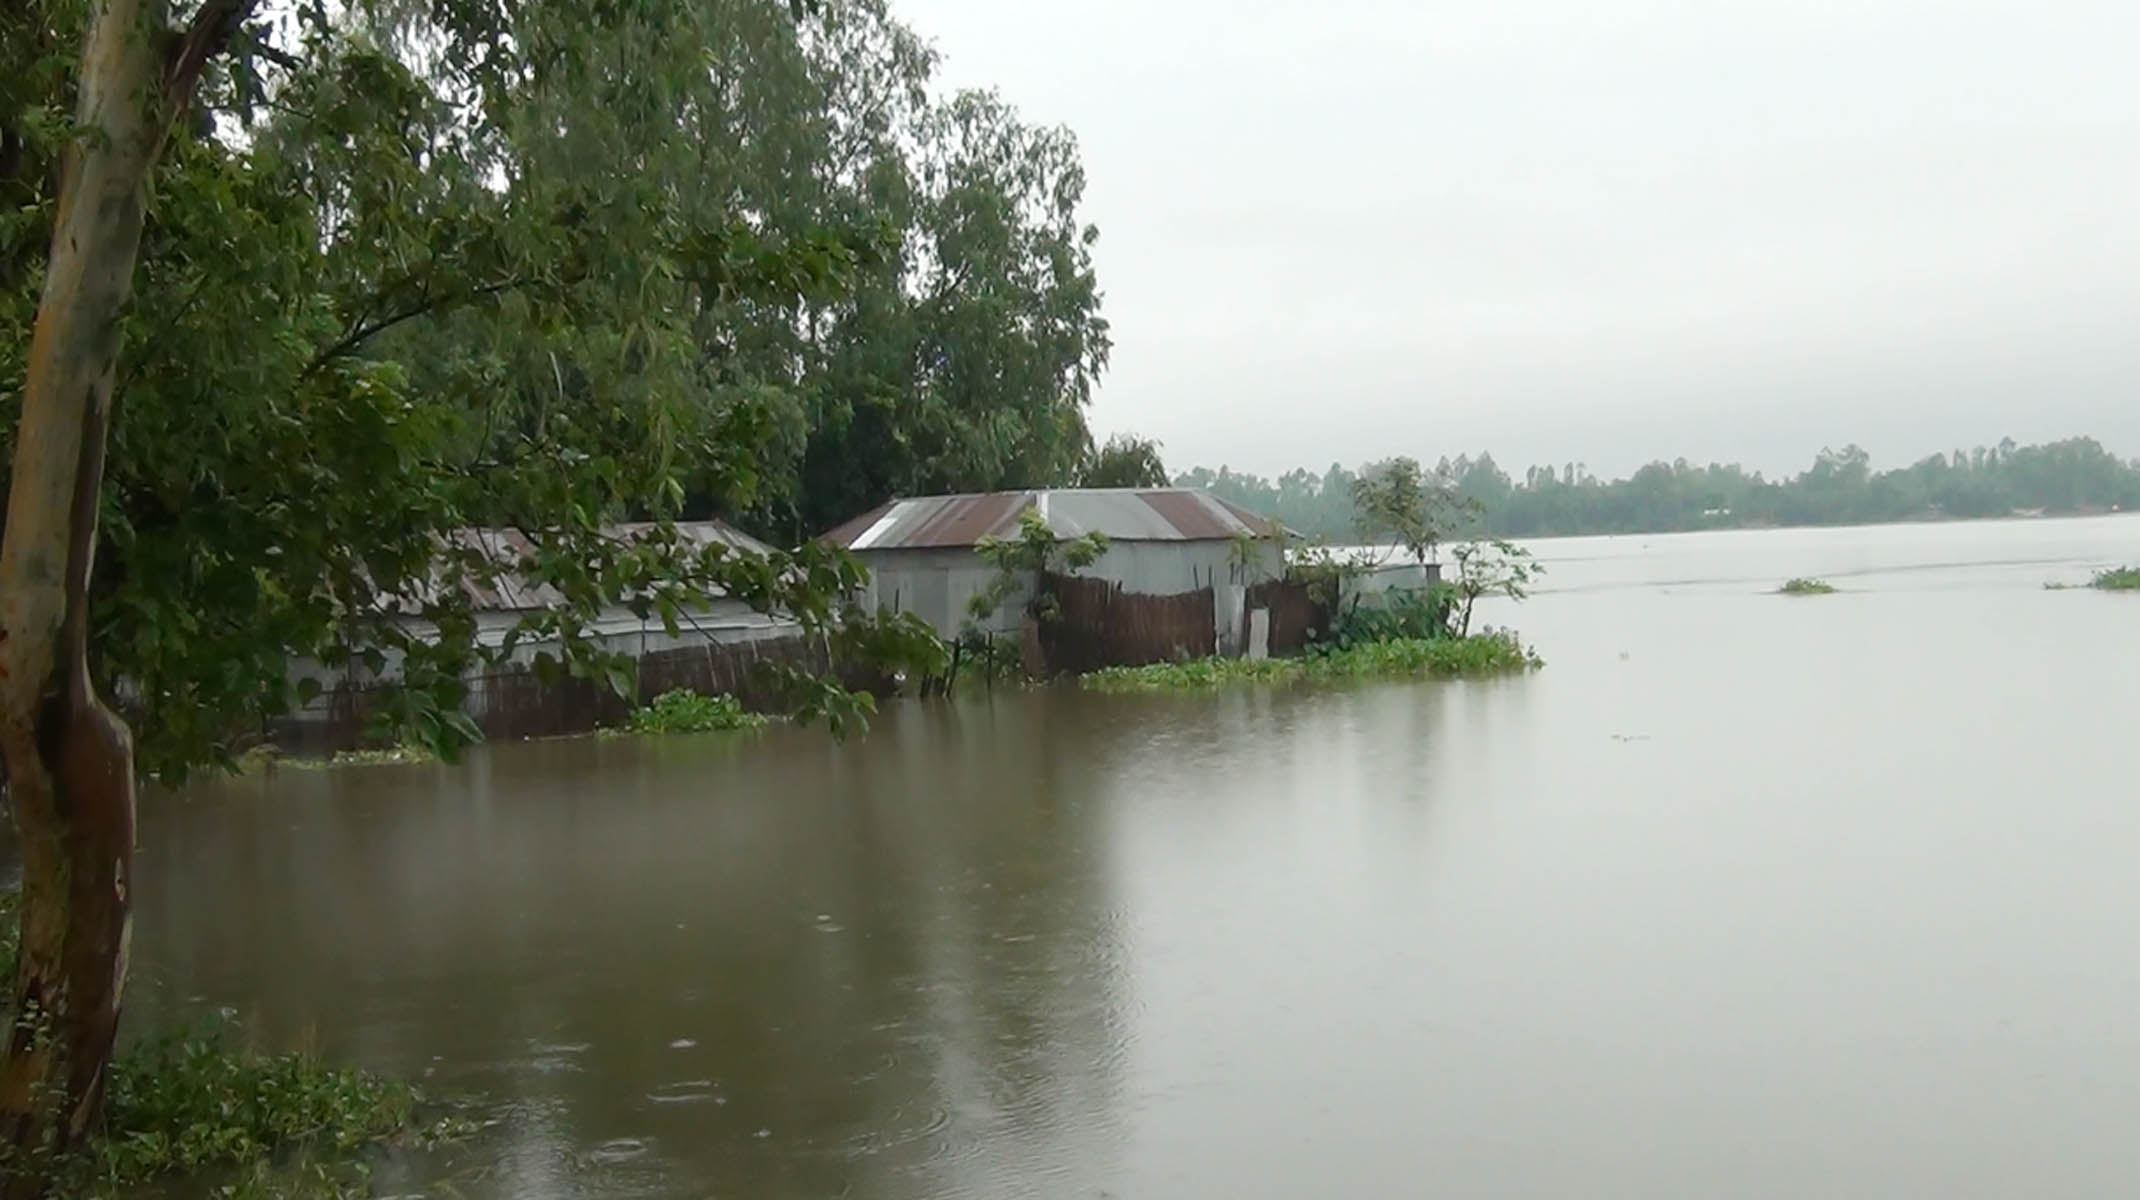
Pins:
x: 1020, y: 562
x: 1490, y: 568
x: 1401, y: 500
x: 1027, y: 560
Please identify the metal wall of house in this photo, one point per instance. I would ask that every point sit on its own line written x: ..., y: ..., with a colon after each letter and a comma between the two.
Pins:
x: 936, y: 584
x: 618, y: 630
x: 1373, y: 586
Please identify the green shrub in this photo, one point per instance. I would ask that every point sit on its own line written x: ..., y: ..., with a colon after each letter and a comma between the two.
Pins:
x: 284, y: 1126
x: 1398, y: 615
x: 2117, y: 579
x: 181, y: 1105
x: 1488, y: 653
x: 1807, y: 587
x: 686, y: 711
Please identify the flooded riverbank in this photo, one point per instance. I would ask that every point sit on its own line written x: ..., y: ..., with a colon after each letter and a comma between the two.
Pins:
x: 1741, y: 895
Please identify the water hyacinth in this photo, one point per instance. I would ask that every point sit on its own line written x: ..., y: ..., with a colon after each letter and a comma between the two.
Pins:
x: 1492, y: 652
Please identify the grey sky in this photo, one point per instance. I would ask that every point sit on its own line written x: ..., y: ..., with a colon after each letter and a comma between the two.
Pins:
x: 1595, y: 230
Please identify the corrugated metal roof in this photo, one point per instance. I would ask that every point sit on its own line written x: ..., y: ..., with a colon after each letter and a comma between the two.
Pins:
x: 511, y: 592
x: 847, y: 531
x: 1123, y: 514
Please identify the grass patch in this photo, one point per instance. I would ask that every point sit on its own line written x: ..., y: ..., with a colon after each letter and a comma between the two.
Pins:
x: 686, y: 711
x: 1806, y: 587
x: 1493, y: 652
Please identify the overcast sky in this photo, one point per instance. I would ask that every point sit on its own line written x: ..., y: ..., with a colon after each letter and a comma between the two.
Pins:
x: 1595, y: 230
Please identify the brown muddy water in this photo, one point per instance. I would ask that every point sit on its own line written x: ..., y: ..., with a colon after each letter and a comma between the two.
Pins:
x: 1743, y: 895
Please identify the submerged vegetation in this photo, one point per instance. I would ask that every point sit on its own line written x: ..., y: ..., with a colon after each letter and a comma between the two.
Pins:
x: 686, y: 711
x: 1806, y: 587
x: 267, y: 756
x: 286, y: 1124
x: 1492, y: 652
x: 384, y: 756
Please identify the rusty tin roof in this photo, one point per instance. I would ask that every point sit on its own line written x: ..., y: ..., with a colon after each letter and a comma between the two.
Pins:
x: 511, y: 592
x: 1123, y: 514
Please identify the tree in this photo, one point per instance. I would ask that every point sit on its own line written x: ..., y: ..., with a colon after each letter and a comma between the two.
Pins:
x: 1311, y: 505
x: 1399, y: 500
x: 1126, y: 461
x: 965, y: 359
x: 69, y: 758
x: 1490, y: 568
x: 1024, y: 562
x: 411, y: 267
x: 2073, y: 476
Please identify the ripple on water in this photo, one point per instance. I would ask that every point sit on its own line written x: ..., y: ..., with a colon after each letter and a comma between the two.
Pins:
x: 688, y: 1091
x: 617, y: 1150
x: 545, y: 1058
x: 902, y: 1131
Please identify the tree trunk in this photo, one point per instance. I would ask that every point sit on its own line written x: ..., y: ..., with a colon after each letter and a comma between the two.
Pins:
x: 69, y: 759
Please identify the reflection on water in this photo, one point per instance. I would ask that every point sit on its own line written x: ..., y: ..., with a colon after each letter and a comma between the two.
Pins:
x: 1742, y: 895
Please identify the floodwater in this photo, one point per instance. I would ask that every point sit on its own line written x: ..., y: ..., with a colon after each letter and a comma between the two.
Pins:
x: 1743, y: 895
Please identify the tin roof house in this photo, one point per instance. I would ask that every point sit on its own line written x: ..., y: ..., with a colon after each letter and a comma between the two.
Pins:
x: 712, y: 645
x: 1161, y: 542
x: 616, y: 627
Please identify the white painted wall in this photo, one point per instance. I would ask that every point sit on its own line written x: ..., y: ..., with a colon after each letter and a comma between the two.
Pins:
x: 1371, y: 586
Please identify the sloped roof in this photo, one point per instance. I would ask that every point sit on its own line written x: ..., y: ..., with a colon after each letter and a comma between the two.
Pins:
x: 511, y: 592
x: 1123, y: 514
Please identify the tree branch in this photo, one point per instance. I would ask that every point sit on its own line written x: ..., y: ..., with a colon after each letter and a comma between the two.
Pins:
x: 207, y: 35
x: 366, y: 331
x: 258, y: 45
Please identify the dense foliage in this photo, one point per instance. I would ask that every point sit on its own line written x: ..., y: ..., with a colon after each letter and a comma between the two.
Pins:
x: 1126, y: 461
x: 422, y: 265
x: 2073, y: 476
x: 1405, y: 615
x: 1806, y: 587
x: 2117, y: 579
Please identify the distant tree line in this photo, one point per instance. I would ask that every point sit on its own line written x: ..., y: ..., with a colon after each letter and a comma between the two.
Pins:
x: 2073, y: 476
